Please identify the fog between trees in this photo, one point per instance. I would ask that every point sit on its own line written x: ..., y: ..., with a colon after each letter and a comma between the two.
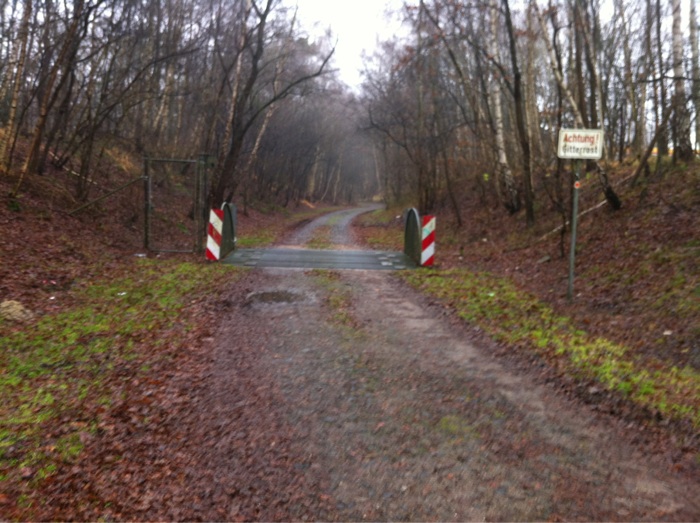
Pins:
x: 468, y: 101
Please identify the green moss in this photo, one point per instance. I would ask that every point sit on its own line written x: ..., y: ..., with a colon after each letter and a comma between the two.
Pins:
x: 321, y: 238
x: 69, y: 447
x: 513, y: 316
x: 261, y: 239
x: 64, y: 363
x: 338, y: 297
x: 456, y: 427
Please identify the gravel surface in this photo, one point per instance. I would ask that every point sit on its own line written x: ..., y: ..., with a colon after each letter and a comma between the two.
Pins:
x: 390, y: 411
x: 344, y: 396
x: 339, y: 221
x: 400, y: 417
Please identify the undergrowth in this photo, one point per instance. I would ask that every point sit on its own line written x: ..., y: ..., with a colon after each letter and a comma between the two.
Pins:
x: 58, y: 372
x: 512, y: 316
x: 385, y: 227
x: 338, y: 296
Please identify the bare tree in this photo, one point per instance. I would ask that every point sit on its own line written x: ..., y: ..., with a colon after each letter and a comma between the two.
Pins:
x: 683, y: 149
x: 661, y: 95
x: 17, y: 80
x: 245, y: 106
x: 57, y: 76
x: 513, y: 198
x: 520, y: 116
x: 695, y: 57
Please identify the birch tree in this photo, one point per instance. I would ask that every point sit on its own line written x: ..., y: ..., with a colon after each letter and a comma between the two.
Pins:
x: 683, y: 149
x: 695, y: 57
x: 17, y: 79
x: 504, y: 172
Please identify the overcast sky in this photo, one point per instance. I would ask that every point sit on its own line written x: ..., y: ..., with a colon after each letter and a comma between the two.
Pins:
x: 356, y: 24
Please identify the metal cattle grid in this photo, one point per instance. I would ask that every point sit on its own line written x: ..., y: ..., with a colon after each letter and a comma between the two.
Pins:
x: 319, y: 259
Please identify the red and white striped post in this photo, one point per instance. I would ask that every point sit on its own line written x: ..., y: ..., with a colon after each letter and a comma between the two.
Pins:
x: 214, y: 230
x: 427, y: 258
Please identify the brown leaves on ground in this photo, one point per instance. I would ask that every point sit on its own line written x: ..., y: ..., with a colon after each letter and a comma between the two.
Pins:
x: 150, y: 456
x: 147, y: 453
x: 637, y: 275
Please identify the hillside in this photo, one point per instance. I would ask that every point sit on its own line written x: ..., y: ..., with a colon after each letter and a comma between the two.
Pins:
x: 46, y: 247
x: 637, y: 286
x: 637, y: 280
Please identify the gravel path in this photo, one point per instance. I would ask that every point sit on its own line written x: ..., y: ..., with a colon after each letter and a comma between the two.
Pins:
x: 347, y: 396
x: 339, y: 221
x: 400, y: 418
x: 389, y: 412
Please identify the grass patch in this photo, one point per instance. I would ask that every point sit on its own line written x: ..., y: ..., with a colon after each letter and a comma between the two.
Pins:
x: 321, y: 238
x: 271, y: 228
x: 334, y: 220
x: 262, y: 238
x: 378, y: 218
x: 338, y: 296
x: 457, y: 427
x: 515, y: 317
x: 382, y: 229
x: 56, y: 373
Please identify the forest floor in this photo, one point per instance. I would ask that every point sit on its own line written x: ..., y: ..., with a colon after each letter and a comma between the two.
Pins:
x: 347, y: 396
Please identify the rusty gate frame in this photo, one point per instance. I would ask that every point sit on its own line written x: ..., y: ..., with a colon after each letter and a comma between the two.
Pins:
x: 199, y: 198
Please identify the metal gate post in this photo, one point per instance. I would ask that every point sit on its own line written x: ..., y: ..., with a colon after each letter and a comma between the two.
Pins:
x: 574, y: 223
x: 198, y: 207
x: 203, y: 165
x: 199, y: 193
x: 147, y: 206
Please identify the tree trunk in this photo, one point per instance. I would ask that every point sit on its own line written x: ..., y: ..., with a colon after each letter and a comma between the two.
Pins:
x: 23, y: 38
x: 695, y: 56
x: 636, y: 143
x: 504, y: 174
x: 579, y: 85
x: 279, y: 67
x: 590, y: 25
x: 67, y: 54
x: 520, y: 119
x: 235, y: 106
x: 662, y: 143
x: 683, y: 150
x: 531, y: 90
x: 556, y: 69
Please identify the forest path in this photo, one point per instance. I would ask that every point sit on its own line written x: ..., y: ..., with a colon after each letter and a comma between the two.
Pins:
x: 388, y: 412
x: 338, y: 254
x: 348, y: 396
x: 339, y: 221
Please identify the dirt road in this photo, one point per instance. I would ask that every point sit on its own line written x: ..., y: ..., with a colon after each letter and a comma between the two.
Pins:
x: 395, y: 415
x: 348, y: 396
x: 339, y: 222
